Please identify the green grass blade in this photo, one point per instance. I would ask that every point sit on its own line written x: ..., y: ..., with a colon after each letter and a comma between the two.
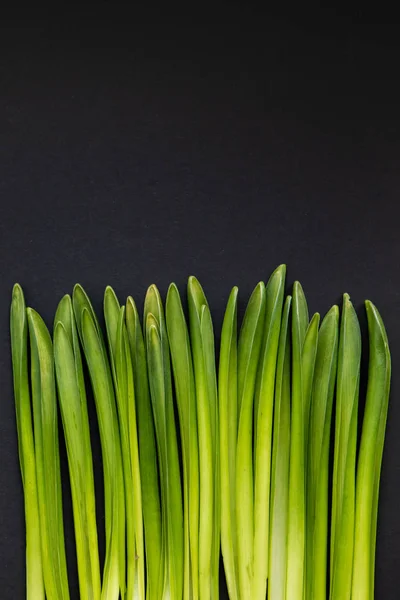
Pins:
x: 274, y: 293
x: 370, y: 456
x: 207, y: 334
x: 124, y: 387
x: 140, y: 588
x: 147, y: 452
x: 164, y: 419
x: 73, y: 405
x: 202, y: 342
x: 380, y: 436
x: 249, y: 347
x: 297, y: 507
x: 65, y: 315
x: 100, y: 375
x: 280, y: 464
x: 47, y: 459
x: 186, y: 401
x: 308, y: 356
x: 343, y: 491
x: 70, y: 410
x: 318, y: 455
x: 228, y: 427
x: 26, y: 447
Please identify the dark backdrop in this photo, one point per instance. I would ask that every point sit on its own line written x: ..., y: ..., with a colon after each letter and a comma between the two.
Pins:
x: 145, y: 148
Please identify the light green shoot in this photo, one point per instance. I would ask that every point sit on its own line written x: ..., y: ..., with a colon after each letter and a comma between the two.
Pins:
x: 250, y: 339
x: 265, y: 390
x: 124, y: 388
x: 147, y: 453
x: 344, y: 465
x: 370, y: 456
x: 100, y: 375
x: 308, y: 356
x: 228, y: 427
x: 297, y: 502
x: 202, y: 341
x: 26, y: 446
x: 73, y: 405
x: 280, y: 465
x: 318, y: 456
x: 159, y: 370
x: 186, y: 400
x: 47, y: 459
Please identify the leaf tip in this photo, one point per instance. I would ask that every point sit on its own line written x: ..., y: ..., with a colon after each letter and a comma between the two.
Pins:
x: 280, y: 270
x: 17, y: 291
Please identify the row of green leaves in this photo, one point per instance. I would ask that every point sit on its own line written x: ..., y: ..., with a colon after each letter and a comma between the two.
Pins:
x: 251, y: 472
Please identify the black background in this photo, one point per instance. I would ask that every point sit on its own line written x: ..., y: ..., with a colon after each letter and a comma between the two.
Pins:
x: 147, y: 147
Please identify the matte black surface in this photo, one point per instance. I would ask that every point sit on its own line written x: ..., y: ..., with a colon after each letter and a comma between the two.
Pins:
x: 138, y: 150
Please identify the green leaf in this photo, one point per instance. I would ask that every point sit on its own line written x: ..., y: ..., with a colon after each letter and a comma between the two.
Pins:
x: 159, y: 370
x: 47, y: 459
x: 295, y: 577
x: 370, y: 456
x: 228, y: 428
x: 100, y: 376
x: 186, y: 401
x: 207, y: 334
x: 265, y: 391
x: 73, y: 405
x: 318, y: 455
x: 147, y: 452
x: 344, y: 465
x: 280, y: 464
x: 202, y: 341
x: 308, y: 356
x: 249, y: 347
x: 124, y: 386
x: 26, y: 446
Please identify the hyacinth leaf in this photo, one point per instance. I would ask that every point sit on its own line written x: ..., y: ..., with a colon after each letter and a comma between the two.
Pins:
x: 370, y: 456
x: 280, y: 464
x: 151, y: 503
x: 202, y: 343
x: 318, y: 456
x: 186, y: 401
x: 100, y: 375
x: 265, y: 390
x: 228, y: 427
x: 297, y: 502
x: 26, y: 444
x: 249, y: 346
x: 344, y: 464
x: 73, y: 405
x: 124, y: 388
x: 159, y: 371
x: 47, y: 459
